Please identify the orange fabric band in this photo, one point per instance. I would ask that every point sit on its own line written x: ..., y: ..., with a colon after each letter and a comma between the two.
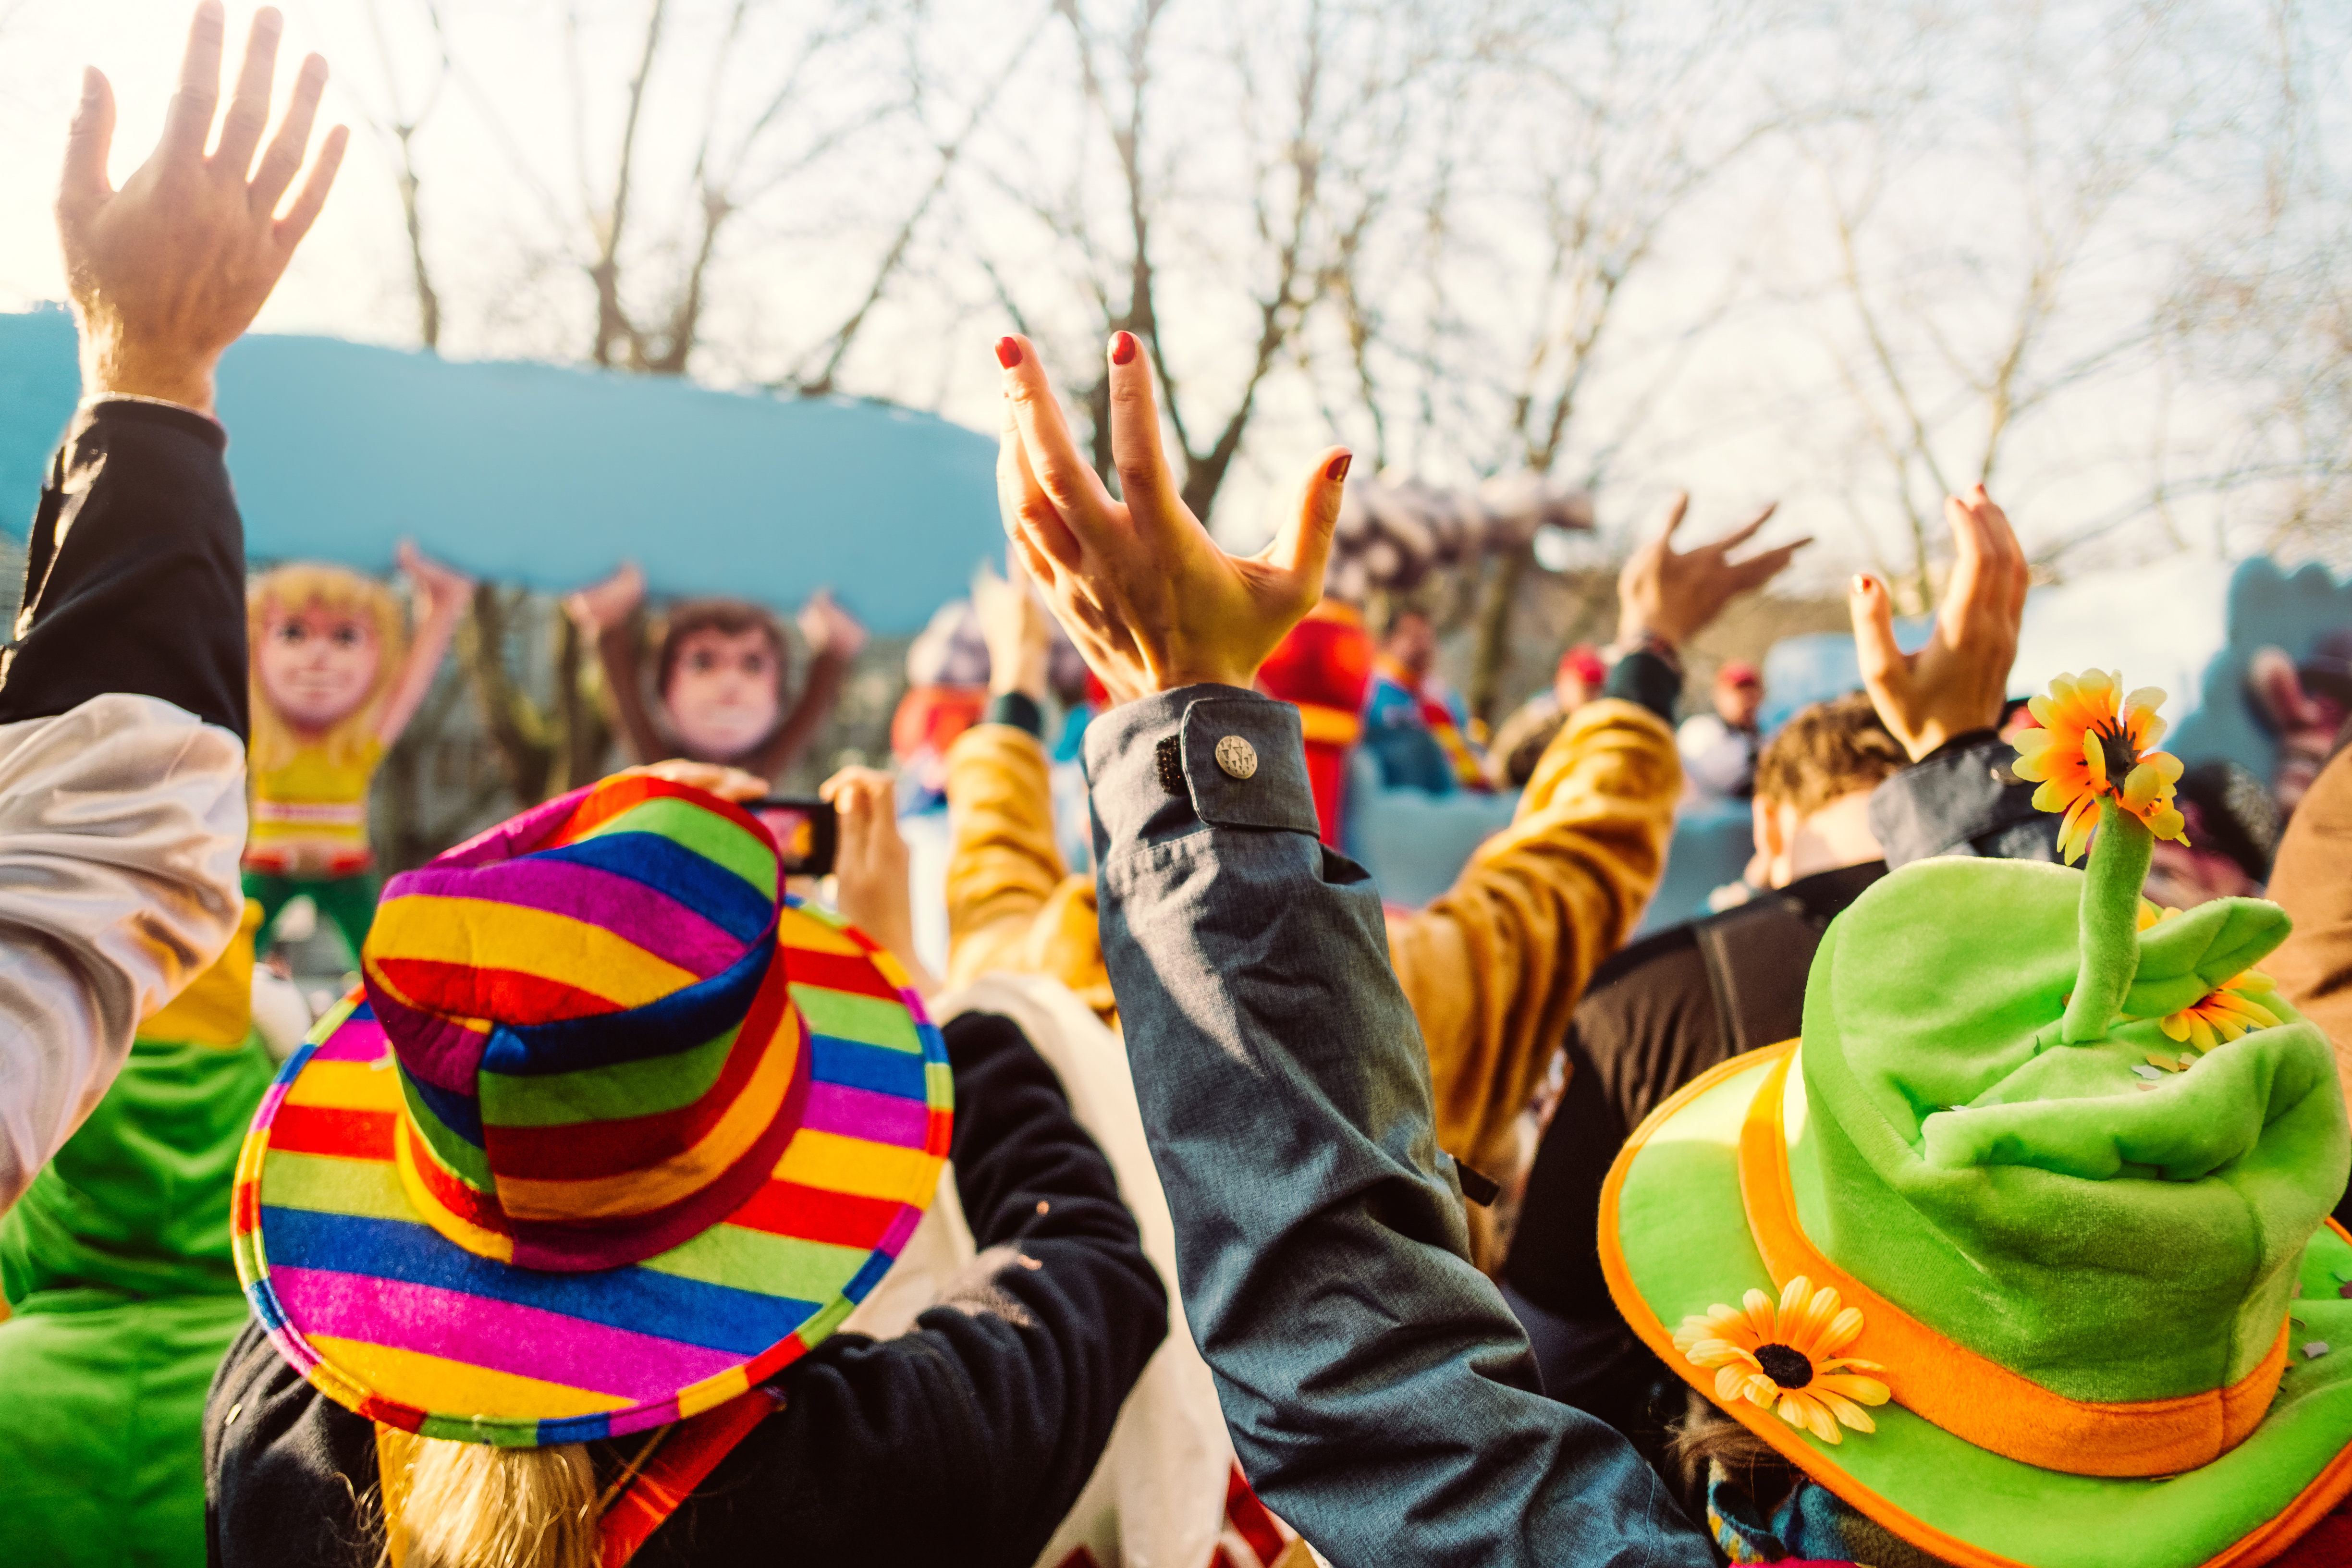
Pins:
x: 1968, y: 1395
x: 1329, y: 726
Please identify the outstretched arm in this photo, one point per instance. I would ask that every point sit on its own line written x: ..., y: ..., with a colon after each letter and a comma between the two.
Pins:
x: 1379, y: 1394
x: 441, y: 594
x: 609, y: 615
x: 835, y: 638
x: 1003, y: 866
x: 1495, y: 966
x: 122, y: 700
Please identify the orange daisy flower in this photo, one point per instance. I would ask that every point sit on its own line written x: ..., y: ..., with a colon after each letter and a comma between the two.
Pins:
x: 2093, y: 746
x: 2222, y: 1014
x: 1786, y: 1358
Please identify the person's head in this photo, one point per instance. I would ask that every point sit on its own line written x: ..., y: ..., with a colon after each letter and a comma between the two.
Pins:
x: 326, y: 644
x: 632, y: 944
x: 1411, y: 642
x: 722, y: 675
x: 1579, y: 679
x: 1812, y: 790
x: 1739, y: 694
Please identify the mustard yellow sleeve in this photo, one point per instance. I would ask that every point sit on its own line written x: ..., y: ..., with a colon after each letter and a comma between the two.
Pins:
x: 1012, y: 904
x: 1494, y: 967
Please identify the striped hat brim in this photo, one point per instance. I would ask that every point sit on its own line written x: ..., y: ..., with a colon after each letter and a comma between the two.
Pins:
x: 390, y: 1318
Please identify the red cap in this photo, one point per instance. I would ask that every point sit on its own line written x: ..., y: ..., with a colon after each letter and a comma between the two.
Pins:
x: 1738, y: 672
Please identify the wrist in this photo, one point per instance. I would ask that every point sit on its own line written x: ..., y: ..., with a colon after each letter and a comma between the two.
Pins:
x: 112, y: 368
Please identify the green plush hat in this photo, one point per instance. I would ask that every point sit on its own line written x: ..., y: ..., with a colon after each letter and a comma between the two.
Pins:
x: 2022, y: 1250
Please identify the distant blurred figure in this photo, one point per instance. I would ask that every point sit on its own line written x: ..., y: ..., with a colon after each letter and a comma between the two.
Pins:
x: 1719, y: 749
x: 1511, y: 755
x: 1322, y: 669
x: 2233, y: 835
x: 947, y: 687
x: 2304, y: 703
x: 1414, y: 726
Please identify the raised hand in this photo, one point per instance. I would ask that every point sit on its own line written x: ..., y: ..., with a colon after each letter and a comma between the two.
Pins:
x: 598, y: 609
x: 1012, y: 623
x: 1956, y: 683
x: 1151, y: 600
x: 829, y: 629
x: 437, y: 586
x: 869, y: 866
x: 1672, y: 597
x: 171, y: 270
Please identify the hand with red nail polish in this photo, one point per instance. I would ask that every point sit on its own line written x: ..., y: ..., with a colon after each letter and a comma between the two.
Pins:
x: 1957, y: 683
x: 1148, y: 597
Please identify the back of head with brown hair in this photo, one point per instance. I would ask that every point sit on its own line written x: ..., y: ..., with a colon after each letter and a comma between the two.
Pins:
x: 731, y: 617
x: 1826, y: 752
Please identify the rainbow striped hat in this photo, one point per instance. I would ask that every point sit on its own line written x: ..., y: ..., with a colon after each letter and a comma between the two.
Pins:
x: 611, y: 1132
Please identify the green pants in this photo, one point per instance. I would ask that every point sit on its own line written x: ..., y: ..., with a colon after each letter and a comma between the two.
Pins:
x: 102, y: 1446
x: 347, y: 901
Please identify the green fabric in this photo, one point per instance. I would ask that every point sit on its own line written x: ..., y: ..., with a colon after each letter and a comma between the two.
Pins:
x: 347, y: 901
x: 101, y: 1452
x: 2108, y: 1242
x: 2106, y: 923
x: 137, y: 1201
x: 1686, y: 1247
x: 116, y: 1264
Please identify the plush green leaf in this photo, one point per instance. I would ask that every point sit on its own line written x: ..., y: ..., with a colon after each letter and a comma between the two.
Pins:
x: 2183, y: 958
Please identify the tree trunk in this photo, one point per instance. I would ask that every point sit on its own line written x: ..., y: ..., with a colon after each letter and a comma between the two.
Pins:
x: 1492, y: 649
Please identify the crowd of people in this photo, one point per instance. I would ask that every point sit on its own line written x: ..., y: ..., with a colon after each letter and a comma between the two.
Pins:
x: 1966, y: 1194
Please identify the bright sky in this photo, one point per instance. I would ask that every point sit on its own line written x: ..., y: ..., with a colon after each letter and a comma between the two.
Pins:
x: 1764, y: 412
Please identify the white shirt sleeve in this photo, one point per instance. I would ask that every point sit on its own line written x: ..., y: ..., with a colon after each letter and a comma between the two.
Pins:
x: 121, y: 821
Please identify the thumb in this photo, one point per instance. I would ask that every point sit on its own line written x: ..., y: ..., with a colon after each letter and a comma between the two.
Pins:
x: 1303, y: 548
x: 88, y: 143
x: 1882, y: 665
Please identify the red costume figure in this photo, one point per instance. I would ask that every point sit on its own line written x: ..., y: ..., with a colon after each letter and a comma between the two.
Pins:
x: 1322, y: 667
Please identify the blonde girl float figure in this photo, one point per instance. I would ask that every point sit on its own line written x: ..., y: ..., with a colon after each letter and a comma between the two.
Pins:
x: 335, y: 680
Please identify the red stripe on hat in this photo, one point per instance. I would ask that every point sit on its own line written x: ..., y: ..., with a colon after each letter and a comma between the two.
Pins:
x: 818, y: 1213
x: 853, y: 972
x: 588, y: 1150
x: 611, y: 798
x: 1250, y: 1519
x: 324, y: 1129
x: 507, y: 993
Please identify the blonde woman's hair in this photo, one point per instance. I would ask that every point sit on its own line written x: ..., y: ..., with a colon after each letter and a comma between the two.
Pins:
x: 301, y: 587
x: 468, y: 1505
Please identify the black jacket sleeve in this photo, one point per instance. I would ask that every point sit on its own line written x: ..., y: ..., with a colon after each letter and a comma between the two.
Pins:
x: 967, y: 1440
x: 964, y: 1441
x: 1962, y: 799
x: 134, y: 571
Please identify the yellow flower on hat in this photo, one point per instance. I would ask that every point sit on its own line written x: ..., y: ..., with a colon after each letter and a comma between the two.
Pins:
x: 2094, y: 745
x: 1786, y: 1358
x: 2224, y: 1013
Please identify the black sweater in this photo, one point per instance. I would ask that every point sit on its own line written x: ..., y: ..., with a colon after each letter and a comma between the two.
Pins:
x: 965, y: 1440
x: 134, y: 571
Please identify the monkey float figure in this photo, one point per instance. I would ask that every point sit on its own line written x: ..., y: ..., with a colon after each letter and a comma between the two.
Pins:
x: 720, y: 670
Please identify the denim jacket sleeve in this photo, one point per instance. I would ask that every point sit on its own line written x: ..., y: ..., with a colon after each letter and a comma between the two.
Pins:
x: 1379, y: 1394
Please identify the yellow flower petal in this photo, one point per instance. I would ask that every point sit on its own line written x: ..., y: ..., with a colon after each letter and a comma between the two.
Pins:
x: 1760, y: 1314
x: 2176, y: 1025
x: 1730, y: 1384
x: 2149, y: 697
x: 1868, y: 1390
x: 2167, y: 766
x: 1847, y: 1412
x: 2095, y: 757
x: 1843, y: 1331
x: 2200, y: 1033
x: 2169, y: 823
x: 2148, y: 732
x: 2044, y: 709
x: 2140, y: 788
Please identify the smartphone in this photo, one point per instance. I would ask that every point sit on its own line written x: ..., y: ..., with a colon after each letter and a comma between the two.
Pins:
x: 805, y: 831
